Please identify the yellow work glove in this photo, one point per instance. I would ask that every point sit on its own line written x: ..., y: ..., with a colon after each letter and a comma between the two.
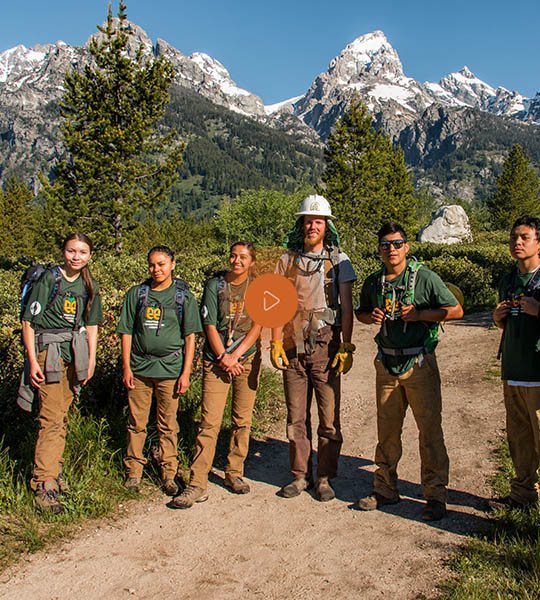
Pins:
x: 277, y: 352
x: 344, y: 357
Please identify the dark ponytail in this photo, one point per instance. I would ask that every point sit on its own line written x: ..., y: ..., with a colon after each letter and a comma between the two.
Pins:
x: 85, y: 271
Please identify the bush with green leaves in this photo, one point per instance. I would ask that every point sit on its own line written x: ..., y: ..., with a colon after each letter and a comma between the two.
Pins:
x: 261, y: 217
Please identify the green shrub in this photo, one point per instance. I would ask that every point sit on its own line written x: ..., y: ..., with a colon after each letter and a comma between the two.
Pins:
x: 473, y: 280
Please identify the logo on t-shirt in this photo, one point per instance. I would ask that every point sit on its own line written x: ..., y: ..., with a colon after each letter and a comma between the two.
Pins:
x: 236, y: 306
x: 35, y: 308
x: 396, y: 305
x: 70, y: 309
x: 515, y: 306
x: 152, y: 315
x: 204, y: 312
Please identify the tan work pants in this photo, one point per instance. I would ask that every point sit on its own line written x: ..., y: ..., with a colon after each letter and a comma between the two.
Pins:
x: 140, y: 401
x: 523, y: 430
x: 54, y: 402
x: 304, y: 375
x: 216, y: 383
x: 419, y: 388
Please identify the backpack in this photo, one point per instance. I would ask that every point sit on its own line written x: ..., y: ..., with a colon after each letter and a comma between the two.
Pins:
x: 532, y: 285
x: 179, y: 295
x: 31, y: 276
x: 413, y: 266
x: 34, y: 274
x: 411, y: 272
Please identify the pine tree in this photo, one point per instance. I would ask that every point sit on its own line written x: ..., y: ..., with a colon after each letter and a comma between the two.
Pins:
x: 366, y: 179
x: 517, y: 190
x: 119, y: 162
x: 16, y: 220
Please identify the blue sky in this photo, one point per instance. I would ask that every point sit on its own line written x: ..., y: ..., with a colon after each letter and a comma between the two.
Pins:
x: 276, y: 49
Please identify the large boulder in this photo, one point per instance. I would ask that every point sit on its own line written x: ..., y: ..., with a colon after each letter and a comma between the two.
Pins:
x: 449, y: 225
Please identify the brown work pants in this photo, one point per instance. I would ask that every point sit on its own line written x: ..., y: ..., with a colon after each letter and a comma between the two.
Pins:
x: 419, y: 388
x: 216, y: 384
x: 140, y: 401
x: 54, y: 402
x: 304, y: 375
x: 523, y: 431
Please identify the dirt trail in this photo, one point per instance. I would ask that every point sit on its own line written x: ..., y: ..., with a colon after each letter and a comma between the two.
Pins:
x: 261, y: 545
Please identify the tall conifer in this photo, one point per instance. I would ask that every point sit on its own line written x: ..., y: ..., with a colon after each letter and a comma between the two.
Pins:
x: 16, y: 219
x: 517, y: 190
x: 366, y: 179
x: 118, y: 160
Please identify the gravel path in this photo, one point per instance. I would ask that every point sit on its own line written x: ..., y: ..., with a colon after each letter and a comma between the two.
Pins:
x: 261, y: 545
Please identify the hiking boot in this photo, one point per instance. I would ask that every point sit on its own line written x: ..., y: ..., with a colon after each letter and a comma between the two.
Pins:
x: 170, y: 487
x: 46, y: 497
x: 324, y: 491
x: 434, y: 511
x: 375, y: 500
x: 507, y: 503
x: 188, y: 497
x: 133, y: 484
x: 296, y: 487
x: 237, y: 485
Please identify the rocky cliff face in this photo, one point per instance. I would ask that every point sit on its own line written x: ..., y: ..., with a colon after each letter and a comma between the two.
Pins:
x: 429, y: 120
x: 371, y: 68
x: 31, y: 84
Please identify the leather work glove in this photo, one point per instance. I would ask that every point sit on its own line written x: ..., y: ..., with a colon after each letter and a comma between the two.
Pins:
x: 344, y: 357
x: 277, y: 352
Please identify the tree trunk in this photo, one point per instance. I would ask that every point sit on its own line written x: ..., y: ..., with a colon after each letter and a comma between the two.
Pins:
x: 118, y: 233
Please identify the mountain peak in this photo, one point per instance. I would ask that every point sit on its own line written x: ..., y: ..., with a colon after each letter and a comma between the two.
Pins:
x: 368, y: 55
x: 467, y: 73
x: 369, y: 44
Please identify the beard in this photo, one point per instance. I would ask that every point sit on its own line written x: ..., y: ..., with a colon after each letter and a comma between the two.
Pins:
x: 311, y: 242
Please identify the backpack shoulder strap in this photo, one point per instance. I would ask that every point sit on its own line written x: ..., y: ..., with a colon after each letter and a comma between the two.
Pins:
x: 221, y: 287
x: 57, y: 283
x: 534, y: 283
x: 142, y: 295
x: 413, y: 266
x: 179, y: 296
x: 290, y: 267
x: 379, y: 286
x: 331, y: 283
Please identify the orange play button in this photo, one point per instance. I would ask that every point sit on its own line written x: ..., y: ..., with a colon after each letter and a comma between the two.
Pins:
x: 271, y: 300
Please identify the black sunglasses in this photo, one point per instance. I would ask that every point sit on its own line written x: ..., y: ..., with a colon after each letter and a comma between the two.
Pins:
x: 385, y: 244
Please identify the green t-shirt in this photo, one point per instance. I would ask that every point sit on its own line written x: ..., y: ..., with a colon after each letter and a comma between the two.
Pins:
x: 429, y: 292
x: 70, y: 301
x: 223, y: 317
x: 155, y: 338
x: 521, y: 341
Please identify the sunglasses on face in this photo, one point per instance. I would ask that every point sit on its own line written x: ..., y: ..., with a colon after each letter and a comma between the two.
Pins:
x: 385, y: 244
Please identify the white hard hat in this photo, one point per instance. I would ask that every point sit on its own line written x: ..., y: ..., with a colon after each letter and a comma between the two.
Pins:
x: 315, y: 205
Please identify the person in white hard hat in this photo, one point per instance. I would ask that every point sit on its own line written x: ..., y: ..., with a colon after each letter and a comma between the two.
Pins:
x: 314, y: 349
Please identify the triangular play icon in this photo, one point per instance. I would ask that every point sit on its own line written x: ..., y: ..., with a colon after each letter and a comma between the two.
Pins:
x: 269, y: 300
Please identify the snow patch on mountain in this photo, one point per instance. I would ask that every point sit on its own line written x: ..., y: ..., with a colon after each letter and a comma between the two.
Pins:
x: 384, y: 92
x: 270, y: 109
x: 218, y: 73
x: 18, y: 59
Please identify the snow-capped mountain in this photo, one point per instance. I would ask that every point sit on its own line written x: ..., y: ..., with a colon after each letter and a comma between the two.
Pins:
x: 427, y: 119
x: 370, y: 67
x: 45, y: 67
x: 210, y: 78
